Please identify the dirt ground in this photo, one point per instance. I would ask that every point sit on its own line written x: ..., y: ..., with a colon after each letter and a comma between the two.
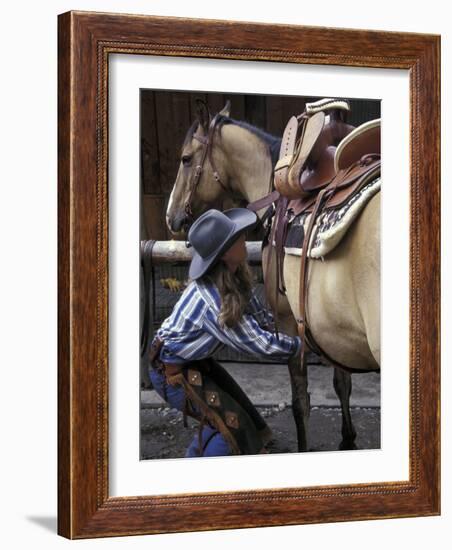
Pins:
x: 164, y: 436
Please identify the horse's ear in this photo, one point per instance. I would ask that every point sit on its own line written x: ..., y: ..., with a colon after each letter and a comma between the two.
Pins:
x: 226, y: 111
x: 202, y: 110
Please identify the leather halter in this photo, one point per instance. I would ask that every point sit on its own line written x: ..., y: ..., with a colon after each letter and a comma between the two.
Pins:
x: 207, y: 143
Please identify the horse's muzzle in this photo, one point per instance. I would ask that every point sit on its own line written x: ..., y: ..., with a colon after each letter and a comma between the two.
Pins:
x: 179, y: 225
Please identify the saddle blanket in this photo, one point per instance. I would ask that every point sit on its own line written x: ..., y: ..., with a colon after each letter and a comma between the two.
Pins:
x: 331, y: 225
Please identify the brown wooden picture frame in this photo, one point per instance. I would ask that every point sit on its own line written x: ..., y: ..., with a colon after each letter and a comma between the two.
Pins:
x: 85, y: 43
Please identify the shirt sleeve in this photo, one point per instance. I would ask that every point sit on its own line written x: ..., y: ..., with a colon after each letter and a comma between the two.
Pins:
x: 183, y: 335
x: 262, y: 314
x: 250, y: 338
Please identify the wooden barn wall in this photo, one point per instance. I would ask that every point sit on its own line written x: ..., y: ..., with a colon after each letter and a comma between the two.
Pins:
x: 165, y: 117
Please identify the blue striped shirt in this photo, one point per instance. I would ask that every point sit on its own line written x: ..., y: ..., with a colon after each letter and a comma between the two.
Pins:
x: 193, y: 332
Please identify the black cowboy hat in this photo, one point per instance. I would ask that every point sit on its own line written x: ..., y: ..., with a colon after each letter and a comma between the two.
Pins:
x: 213, y: 233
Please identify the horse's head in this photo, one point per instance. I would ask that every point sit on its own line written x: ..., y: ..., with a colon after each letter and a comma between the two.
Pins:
x: 200, y: 181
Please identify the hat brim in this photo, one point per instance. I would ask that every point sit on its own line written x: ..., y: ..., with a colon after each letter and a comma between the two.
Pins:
x: 243, y: 220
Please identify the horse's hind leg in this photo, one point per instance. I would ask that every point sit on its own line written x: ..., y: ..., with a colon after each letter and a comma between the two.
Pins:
x: 343, y: 386
x: 300, y: 399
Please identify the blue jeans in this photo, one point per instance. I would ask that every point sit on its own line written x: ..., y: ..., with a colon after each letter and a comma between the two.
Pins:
x: 213, y: 443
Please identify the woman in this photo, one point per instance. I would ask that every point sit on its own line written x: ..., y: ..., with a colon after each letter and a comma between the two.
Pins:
x: 217, y: 308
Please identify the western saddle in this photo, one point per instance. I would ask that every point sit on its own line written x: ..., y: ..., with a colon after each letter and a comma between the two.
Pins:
x: 323, y: 162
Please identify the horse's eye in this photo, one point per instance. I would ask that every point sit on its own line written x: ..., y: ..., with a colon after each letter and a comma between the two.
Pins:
x: 186, y: 160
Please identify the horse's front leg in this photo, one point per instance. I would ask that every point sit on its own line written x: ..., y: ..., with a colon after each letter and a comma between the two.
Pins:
x: 301, y: 403
x: 343, y: 386
x: 298, y: 373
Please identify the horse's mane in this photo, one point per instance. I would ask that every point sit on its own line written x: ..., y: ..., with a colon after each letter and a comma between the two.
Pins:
x: 273, y: 142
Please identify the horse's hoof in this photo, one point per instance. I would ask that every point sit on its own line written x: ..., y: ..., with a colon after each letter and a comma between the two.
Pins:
x: 347, y: 446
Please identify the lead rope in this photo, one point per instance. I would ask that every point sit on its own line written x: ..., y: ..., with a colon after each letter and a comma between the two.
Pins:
x: 303, y: 329
x: 301, y: 321
x: 148, y: 280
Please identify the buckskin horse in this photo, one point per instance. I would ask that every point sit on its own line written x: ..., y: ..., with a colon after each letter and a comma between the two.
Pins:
x: 233, y: 159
